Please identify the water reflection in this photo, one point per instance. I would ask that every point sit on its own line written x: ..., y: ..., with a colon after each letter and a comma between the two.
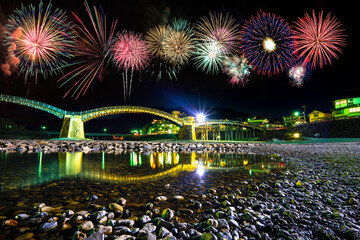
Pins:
x: 23, y: 170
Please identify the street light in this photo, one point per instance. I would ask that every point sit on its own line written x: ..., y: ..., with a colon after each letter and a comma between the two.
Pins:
x: 43, y: 127
x: 296, y: 114
x: 105, y: 130
x: 200, y: 117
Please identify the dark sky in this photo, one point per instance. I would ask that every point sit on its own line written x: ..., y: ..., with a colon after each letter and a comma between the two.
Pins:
x: 193, y: 89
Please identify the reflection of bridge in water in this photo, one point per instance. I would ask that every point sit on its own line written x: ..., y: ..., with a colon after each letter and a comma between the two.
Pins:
x: 73, y: 122
x: 101, y: 167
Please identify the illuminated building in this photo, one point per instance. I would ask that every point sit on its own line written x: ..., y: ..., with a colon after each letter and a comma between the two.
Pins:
x: 317, y: 116
x: 293, y: 120
x: 346, y: 108
x: 163, y: 127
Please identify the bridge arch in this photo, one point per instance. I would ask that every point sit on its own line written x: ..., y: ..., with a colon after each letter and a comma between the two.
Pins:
x: 113, y: 110
x: 73, y: 122
x: 33, y: 104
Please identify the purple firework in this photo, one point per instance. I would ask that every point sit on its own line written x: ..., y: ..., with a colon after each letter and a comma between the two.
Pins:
x: 267, y: 42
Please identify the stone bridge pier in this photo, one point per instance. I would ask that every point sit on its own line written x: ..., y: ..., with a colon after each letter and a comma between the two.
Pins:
x: 72, y: 127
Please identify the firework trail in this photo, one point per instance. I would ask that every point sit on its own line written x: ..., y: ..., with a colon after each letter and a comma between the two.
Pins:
x: 91, y: 50
x: 267, y: 42
x: 38, y: 40
x: 238, y: 69
x: 130, y: 52
x: 318, y: 40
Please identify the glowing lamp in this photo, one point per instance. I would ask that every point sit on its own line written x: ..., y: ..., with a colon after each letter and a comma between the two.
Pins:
x: 296, y: 135
x: 269, y: 44
x: 200, y: 171
x: 200, y: 117
x: 296, y: 114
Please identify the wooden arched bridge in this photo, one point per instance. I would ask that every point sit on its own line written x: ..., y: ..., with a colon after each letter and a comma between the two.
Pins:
x: 73, y: 122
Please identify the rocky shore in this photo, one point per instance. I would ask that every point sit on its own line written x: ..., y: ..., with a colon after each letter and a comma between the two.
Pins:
x: 316, y: 197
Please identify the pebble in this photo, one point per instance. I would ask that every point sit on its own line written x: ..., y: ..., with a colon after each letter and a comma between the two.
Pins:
x: 316, y: 198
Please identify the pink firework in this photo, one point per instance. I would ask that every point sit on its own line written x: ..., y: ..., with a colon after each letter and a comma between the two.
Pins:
x: 318, y: 40
x: 130, y: 52
x: 297, y: 74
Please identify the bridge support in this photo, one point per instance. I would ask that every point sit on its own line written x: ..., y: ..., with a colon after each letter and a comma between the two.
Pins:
x: 187, y: 132
x: 72, y: 127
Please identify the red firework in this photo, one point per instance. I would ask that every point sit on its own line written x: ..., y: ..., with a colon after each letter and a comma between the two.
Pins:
x: 130, y: 52
x: 318, y: 40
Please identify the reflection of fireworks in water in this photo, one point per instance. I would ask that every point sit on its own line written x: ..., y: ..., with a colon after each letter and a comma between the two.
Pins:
x: 297, y: 74
x: 238, y: 69
x: 318, y: 40
x: 130, y: 52
x: 38, y: 40
x: 91, y: 51
x: 267, y: 43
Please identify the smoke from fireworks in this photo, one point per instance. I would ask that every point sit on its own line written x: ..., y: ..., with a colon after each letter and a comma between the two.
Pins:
x: 267, y: 43
x: 130, y: 52
x: 318, y: 40
x: 91, y: 50
x: 38, y: 40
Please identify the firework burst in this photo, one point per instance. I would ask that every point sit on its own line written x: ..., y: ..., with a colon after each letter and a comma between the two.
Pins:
x: 130, y: 52
x: 209, y: 57
x: 238, y: 69
x: 268, y: 43
x: 219, y: 28
x: 155, y: 38
x: 178, y: 47
x: 318, y: 40
x: 91, y: 50
x: 38, y: 40
x: 298, y: 73
x: 216, y: 37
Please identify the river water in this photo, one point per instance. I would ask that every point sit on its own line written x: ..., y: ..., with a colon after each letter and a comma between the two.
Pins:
x: 19, y: 171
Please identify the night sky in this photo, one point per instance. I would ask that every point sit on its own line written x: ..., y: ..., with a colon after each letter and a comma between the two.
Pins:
x: 193, y: 89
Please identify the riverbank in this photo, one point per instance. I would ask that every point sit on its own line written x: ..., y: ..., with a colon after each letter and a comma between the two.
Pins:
x: 317, y: 197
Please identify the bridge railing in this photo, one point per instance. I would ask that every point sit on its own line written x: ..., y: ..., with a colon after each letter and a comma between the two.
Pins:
x: 227, y: 122
x: 32, y: 103
x: 93, y: 113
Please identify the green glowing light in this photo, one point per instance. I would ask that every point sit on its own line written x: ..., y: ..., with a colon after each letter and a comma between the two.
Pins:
x: 296, y: 113
x: 105, y: 130
x: 40, y: 154
x: 103, y: 160
x: 43, y: 127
